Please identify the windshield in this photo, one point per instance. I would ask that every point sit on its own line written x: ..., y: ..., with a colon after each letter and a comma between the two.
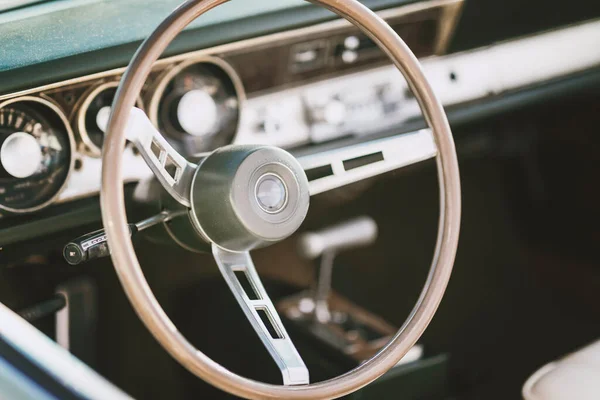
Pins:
x: 10, y: 4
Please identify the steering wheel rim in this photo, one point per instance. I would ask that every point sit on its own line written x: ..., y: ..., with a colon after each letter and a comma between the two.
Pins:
x: 128, y: 267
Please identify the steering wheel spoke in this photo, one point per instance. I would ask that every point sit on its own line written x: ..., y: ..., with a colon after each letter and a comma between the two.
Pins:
x: 332, y: 169
x: 171, y: 169
x: 243, y: 280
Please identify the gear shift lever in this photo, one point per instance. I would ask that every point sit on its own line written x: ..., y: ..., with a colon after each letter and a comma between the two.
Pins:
x: 328, y: 316
x: 327, y: 243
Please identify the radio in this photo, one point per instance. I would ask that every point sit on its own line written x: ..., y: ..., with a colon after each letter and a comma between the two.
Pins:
x: 293, y: 99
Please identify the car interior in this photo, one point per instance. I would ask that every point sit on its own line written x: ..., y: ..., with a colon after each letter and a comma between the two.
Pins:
x: 361, y: 199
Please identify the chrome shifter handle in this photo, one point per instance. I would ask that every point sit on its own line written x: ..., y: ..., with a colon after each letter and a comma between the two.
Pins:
x: 357, y: 232
x: 327, y: 243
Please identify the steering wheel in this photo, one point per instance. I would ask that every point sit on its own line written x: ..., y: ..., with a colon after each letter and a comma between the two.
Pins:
x: 239, y: 198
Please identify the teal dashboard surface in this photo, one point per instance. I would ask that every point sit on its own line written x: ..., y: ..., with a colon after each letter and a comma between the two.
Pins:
x: 64, y: 28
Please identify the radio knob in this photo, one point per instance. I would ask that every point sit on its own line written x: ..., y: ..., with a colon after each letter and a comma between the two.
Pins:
x: 332, y: 113
x: 20, y: 155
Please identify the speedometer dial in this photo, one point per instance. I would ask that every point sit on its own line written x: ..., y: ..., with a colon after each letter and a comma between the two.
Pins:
x: 35, y: 154
x: 196, y: 104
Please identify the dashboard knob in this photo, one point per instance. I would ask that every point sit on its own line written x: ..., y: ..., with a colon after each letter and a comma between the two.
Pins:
x: 332, y: 113
x: 20, y: 155
x: 197, y: 113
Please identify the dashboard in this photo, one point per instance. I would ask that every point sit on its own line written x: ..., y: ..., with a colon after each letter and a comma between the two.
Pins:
x: 260, y: 90
x: 295, y: 88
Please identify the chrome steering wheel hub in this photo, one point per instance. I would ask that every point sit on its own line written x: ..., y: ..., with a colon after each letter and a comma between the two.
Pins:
x: 245, y: 197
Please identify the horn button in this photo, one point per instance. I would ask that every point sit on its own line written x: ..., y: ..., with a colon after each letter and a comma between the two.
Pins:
x: 245, y: 197
x: 271, y: 193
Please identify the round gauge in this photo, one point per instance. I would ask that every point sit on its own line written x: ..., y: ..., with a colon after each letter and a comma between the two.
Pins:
x: 197, y: 104
x: 36, y: 153
x: 94, y: 109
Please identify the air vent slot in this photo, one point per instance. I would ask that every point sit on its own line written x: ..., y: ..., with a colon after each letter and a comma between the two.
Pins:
x: 361, y: 161
x: 319, y: 172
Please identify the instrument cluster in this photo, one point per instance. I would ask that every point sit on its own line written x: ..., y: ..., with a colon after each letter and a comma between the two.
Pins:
x: 51, y: 140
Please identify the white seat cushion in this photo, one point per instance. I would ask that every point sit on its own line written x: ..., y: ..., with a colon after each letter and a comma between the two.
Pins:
x: 577, y: 376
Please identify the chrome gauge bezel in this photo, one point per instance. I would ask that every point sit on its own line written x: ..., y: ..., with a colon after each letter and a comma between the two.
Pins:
x: 167, y: 76
x: 54, y: 107
x: 87, y: 146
